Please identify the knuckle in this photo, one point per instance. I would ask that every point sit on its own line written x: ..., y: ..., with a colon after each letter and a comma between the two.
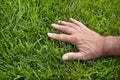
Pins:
x: 73, y: 25
x: 73, y: 56
x: 60, y: 37
x: 65, y: 28
x: 74, y: 39
x: 68, y: 40
x: 83, y: 57
x: 68, y: 29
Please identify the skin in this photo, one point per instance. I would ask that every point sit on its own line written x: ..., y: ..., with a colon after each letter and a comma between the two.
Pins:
x: 90, y: 44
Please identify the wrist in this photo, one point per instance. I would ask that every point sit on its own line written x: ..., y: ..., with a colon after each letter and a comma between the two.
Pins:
x: 111, y: 45
x: 108, y: 44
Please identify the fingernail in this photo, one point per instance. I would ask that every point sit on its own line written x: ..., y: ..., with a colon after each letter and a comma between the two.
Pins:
x: 50, y: 34
x: 59, y: 21
x: 65, y: 57
x: 53, y: 24
x: 71, y: 18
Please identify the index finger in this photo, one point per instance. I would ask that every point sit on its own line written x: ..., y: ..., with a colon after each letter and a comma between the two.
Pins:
x: 61, y: 37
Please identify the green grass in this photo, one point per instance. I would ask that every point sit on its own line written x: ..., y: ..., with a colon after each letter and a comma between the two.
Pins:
x: 26, y: 52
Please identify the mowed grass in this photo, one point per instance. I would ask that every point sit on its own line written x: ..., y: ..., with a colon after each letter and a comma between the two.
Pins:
x: 26, y: 52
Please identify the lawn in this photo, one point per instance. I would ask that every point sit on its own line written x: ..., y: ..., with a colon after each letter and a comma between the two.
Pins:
x: 26, y: 52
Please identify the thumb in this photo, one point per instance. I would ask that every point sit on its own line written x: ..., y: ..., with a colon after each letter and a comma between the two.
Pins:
x: 75, y: 56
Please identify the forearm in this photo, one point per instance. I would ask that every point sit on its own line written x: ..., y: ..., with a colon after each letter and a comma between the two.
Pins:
x: 112, y: 45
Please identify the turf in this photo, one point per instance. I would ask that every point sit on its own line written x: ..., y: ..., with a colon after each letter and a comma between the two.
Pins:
x: 26, y: 52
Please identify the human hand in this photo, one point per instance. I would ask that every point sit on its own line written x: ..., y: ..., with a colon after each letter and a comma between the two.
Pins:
x: 89, y: 43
